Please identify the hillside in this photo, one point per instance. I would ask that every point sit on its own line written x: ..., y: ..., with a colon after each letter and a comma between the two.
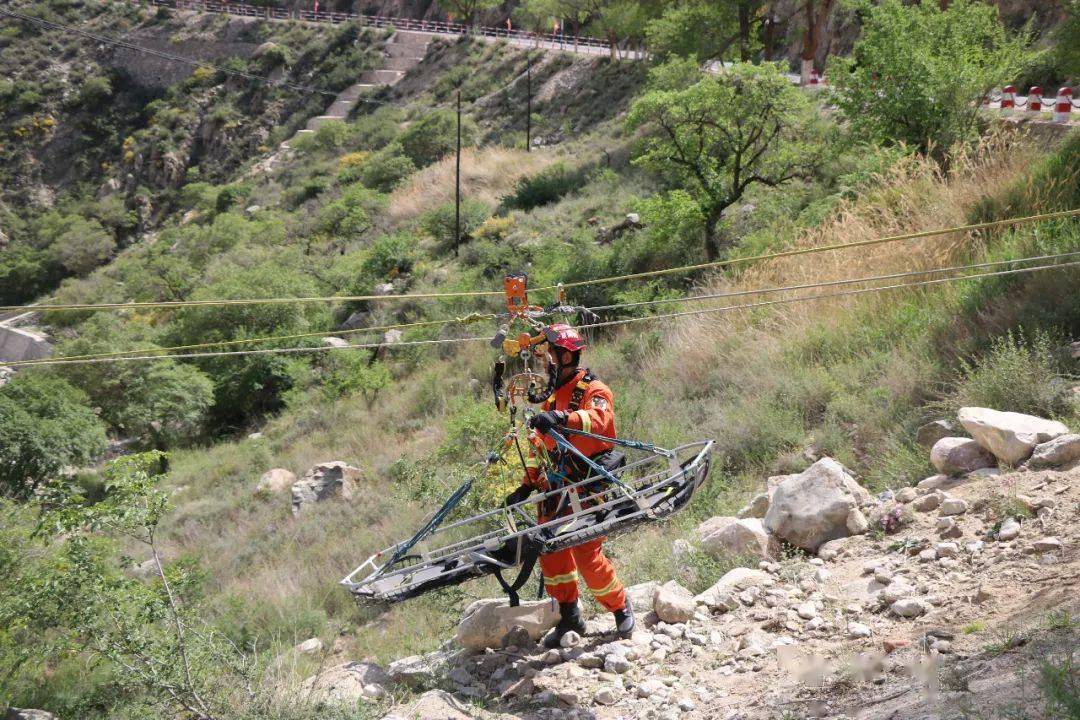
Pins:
x: 129, y: 178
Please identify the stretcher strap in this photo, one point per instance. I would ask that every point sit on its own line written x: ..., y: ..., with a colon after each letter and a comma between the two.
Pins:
x: 530, y: 551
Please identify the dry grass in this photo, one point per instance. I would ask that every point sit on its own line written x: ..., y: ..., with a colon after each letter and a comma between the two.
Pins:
x: 486, y: 175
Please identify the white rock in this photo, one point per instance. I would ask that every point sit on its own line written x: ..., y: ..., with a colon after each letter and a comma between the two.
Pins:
x: 858, y: 630
x: 746, y: 537
x: 310, y: 646
x: 812, y: 507
x: 1010, y: 528
x: 335, y: 342
x: 486, y: 621
x: 617, y: 664
x: 953, y: 506
x: 807, y: 611
x: 606, y: 696
x: 713, y: 525
x: 673, y: 603
x: 906, y: 495
x: 275, y: 481
x: 928, y: 502
x: 324, y: 481
x: 1059, y: 451
x: 1010, y: 436
x: 733, y: 580
x: 909, y: 607
x: 856, y: 522
x: 349, y: 682
x: 957, y: 456
x: 642, y: 594
x: 1047, y: 544
x: 570, y: 639
x: 947, y: 549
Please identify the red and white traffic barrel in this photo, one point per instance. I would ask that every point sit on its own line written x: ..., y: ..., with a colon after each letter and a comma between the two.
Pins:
x: 1008, y: 99
x: 815, y: 79
x: 1034, y: 101
x: 1063, y: 105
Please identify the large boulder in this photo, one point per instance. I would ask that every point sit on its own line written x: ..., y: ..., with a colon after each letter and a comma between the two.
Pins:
x: 322, y: 482
x: 486, y: 621
x: 347, y: 683
x: 959, y: 456
x: 713, y: 525
x: 1011, y: 436
x: 741, y: 537
x: 1059, y: 451
x: 673, y: 603
x: 733, y: 580
x: 275, y: 481
x: 812, y: 507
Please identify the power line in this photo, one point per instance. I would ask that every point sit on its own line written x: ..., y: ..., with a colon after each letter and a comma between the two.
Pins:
x: 582, y: 283
x: 476, y: 317
x: 589, y: 326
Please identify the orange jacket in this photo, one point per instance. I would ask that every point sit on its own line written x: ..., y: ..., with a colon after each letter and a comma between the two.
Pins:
x: 595, y: 414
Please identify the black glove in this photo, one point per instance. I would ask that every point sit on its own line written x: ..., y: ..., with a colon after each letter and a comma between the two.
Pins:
x: 547, y: 420
x: 522, y: 493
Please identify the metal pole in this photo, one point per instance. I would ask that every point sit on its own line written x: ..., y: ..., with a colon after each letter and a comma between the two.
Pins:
x: 528, y: 106
x: 457, y: 181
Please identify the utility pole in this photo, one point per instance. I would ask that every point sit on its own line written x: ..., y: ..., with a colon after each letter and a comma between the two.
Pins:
x: 528, y: 105
x: 457, y: 181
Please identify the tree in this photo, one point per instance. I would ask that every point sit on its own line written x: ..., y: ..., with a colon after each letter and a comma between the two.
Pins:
x: 434, y: 136
x: 45, y: 426
x: 816, y: 16
x: 917, y: 73
x: 466, y: 10
x: 720, y: 135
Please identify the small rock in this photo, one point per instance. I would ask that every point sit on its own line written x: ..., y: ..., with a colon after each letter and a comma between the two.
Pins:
x: 1059, y: 451
x: 894, y: 643
x: 906, y: 495
x: 807, y: 611
x: 928, y: 502
x: 606, y: 696
x: 928, y: 555
x: 883, y: 575
x: 686, y: 704
x: 953, y: 506
x: 1047, y: 544
x: 570, y: 639
x: 947, y: 528
x: 947, y: 549
x: 858, y: 630
x: 310, y: 646
x: 909, y: 607
x: 591, y: 660
x: 617, y: 664
x: 941, y: 646
x: 486, y: 622
x: 1010, y: 528
x: 673, y: 603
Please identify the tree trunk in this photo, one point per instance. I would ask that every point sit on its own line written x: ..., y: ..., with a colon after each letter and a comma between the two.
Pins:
x: 713, y: 235
x: 944, y: 5
x: 770, y: 38
x: 817, y: 15
x: 744, y: 30
x: 611, y: 42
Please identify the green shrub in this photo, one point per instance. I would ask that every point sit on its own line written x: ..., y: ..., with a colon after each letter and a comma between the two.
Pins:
x: 351, y: 215
x: 1018, y: 373
x: 385, y: 169
x: 435, y: 135
x: 547, y: 186
x: 440, y: 222
x: 95, y: 90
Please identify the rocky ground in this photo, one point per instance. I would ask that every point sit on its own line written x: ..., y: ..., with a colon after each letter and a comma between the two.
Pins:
x: 943, y: 604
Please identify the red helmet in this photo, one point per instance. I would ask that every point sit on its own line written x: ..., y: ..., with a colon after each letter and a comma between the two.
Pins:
x: 563, y: 336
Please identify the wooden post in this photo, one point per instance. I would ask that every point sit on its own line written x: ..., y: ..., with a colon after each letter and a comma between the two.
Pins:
x: 457, y: 181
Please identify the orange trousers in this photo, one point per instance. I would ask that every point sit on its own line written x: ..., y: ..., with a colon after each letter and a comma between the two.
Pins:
x: 561, y: 570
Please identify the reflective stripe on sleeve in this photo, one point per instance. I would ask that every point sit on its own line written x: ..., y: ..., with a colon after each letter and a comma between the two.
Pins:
x: 586, y: 421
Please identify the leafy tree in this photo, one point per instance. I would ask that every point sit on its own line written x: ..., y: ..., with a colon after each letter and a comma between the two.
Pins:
x: 466, y: 10
x: 1067, y: 49
x: 435, y: 135
x: 161, y: 402
x: 26, y: 272
x: 440, y: 221
x: 705, y: 29
x: 917, y: 73
x: 45, y: 426
x: 80, y: 244
x: 387, y: 168
x: 720, y: 135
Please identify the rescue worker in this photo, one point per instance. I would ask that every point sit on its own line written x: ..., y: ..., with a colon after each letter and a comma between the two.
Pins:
x: 579, y: 401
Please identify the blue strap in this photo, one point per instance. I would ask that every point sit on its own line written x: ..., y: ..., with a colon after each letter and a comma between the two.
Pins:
x: 437, y: 519
x: 599, y: 469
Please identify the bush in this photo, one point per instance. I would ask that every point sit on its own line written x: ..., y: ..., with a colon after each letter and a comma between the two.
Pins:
x: 435, y: 135
x: 26, y: 272
x: 385, y: 170
x: 1018, y: 374
x: 83, y: 245
x: 351, y: 215
x: 547, y: 186
x: 440, y: 222
x: 45, y: 426
x: 95, y: 90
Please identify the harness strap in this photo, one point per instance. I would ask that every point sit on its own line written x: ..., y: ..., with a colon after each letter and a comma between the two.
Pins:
x: 530, y: 551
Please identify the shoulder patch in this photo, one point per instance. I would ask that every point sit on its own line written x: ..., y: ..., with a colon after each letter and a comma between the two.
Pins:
x: 599, y: 403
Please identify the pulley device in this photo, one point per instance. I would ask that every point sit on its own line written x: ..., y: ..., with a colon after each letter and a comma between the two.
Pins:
x: 611, y: 499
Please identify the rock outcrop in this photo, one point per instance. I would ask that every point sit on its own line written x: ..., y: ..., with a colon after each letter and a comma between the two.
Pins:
x: 322, y: 482
x: 1010, y: 436
x: 812, y: 507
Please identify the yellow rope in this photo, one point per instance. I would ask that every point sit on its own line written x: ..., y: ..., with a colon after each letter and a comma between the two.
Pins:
x: 471, y: 318
x: 580, y: 283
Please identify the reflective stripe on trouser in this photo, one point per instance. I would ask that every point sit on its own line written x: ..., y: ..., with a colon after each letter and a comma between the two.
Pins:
x: 592, y: 565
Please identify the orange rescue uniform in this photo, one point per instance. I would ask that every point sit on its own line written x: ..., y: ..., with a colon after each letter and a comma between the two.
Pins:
x: 595, y: 414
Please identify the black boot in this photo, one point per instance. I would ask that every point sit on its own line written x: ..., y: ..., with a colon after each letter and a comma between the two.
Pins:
x: 569, y: 619
x: 624, y: 620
